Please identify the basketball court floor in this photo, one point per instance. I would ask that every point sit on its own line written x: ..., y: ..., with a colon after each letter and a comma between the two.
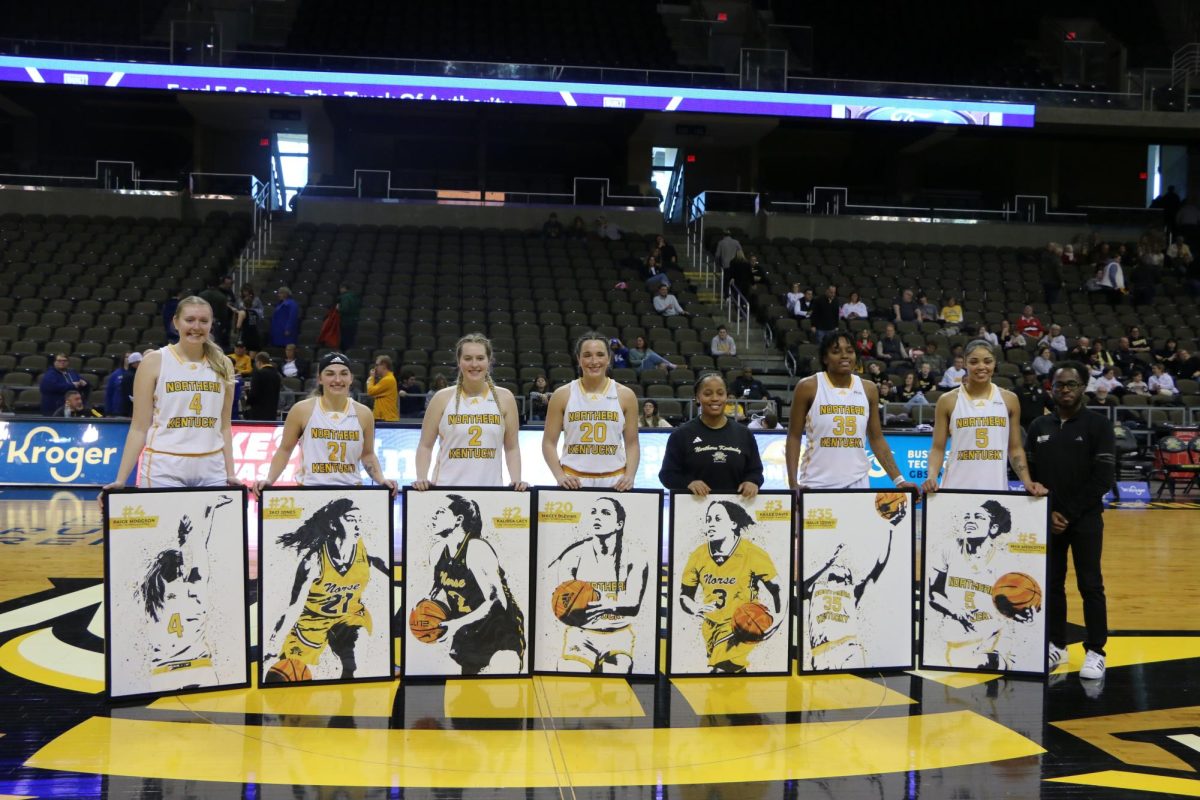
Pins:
x: 908, y: 735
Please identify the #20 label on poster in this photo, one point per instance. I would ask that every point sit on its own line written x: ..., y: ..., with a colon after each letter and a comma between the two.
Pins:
x: 325, y: 585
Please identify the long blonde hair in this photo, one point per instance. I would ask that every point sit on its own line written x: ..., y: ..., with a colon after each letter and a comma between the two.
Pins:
x: 472, y: 338
x: 213, y: 354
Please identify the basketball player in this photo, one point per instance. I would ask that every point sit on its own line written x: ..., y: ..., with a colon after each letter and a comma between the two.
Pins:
x: 336, y: 434
x: 832, y: 410
x: 485, y: 629
x: 475, y: 421
x: 326, y: 608
x: 604, y: 640
x: 599, y: 417
x: 960, y: 589
x: 834, y: 596
x: 983, y: 424
x: 175, y: 596
x: 182, y: 403
x: 720, y: 576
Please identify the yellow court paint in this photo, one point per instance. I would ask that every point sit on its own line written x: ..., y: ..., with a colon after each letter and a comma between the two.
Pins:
x: 955, y: 680
x: 786, y: 693
x: 343, y: 699
x: 1123, y: 651
x: 27, y: 655
x: 464, y: 759
x: 501, y: 698
x: 588, y: 697
x: 1135, y: 781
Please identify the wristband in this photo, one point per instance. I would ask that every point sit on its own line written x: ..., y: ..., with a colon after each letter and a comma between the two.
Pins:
x: 896, y: 479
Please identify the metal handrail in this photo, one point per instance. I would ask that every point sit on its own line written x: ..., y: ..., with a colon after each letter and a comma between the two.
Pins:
x: 737, y: 310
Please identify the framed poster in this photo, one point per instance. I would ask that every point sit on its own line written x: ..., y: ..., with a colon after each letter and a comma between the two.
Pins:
x: 325, y: 584
x: 467, y: 559
x: 983, y: 585
x: 597, y: 578
x: 175, y: 576
x: 731, y: 565
x: 857, y: 561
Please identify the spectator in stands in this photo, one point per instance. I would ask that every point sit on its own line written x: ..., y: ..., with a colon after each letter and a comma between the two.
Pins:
x: 1044, y: 362
x: 649, y: 417
x: 909, y: 391
x: 1138, y: 342
x: 1112, y: 281
x: 864, y: 345
x: 56, y: 382
x: 799, y: 302
x: 1179, y: 255
x: 1100, y: 396
x: 740, y: 273
x: 1168, y: 355
x: 1029, y: 325
x: 1170, y: 203
x: 113, y: 404
x: 929, y: 311
x: 249, y: 319
x: 383, y: 390
x: 293, y: 365
x: 285, y: 319
x: 932, y: 357
x: 927, y: 379
x: 349, y: 307
x: 438, y: 383
x: 606, y: 230
x: 220, y: 298
x: 904, y: 308
x: 266, y: 385
x: 552, y: 228
x: 619, y: 353
x: 1107, y: 381
x: 412, y: 395
x: 853, y: 308
x: 727, y: 249
x: 767, y: 421
x: 748, y: 387
x: 1125, y: 358
x: 655, y: 275
x: 1162, y: 387
x: 825, y: 313
x: 578, y: 229
x: 954, y: 374
x: 1092, y: 285
x: 723, y: 344
x: 539, y: 398
x: 887, y: 394
x: 641, y: 357
x: 986, y: 335
x: 951, y: 315
x: 1082, y: 351
x: 1055, y: 340
x: 1100, y: 358
x: 73, y: 406
x: 1137, y: 384
x: 1068, y: 255
x: 1050, y: 272
x: 243, y: 364
x: 1032, y: 396
x: 1187, y: 366
x: 874, y: 371
x: 1009, y: 338
x: 667, y: 304
x: 890, y: 348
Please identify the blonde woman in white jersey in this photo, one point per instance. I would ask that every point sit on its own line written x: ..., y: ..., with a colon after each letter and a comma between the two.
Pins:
x: 182, y: 402
x: 836, y: 411
x: 477, y: 424
x: 335, y: 433
x: 599, y: 419
x: 982, y: 423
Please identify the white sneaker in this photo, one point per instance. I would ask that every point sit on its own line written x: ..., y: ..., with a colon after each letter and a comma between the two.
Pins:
x: 1058, y: 655
x: 1093, y: 667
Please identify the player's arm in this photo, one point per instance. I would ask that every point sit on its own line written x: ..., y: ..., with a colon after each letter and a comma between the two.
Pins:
x: 293, y: 429
x: 144, y: 382
x: 485, y: 567
x: 512, y: 437
x: 879, y: 445
x: 633, y: 451
x: 556, y: 410
x: 628, y: 601
x: 370, y: 461
x: 1016, y: 449
x: 940, y: 601
x: 875, y: 572
x: 227, y: 429
x: 773, y: 589
x: 806, y: 588
x: 429, y: 434
x: 690, y: 584
x: 941, y: 433
x: 381, y: 565
x: 802, y: 400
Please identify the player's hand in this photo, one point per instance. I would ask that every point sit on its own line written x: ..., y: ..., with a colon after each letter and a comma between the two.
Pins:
x: 105, y: 489
x: 422, y: 485
x: 624, y: 484
x: 907, y: 486
x: 391, y: 485
x: 965, y: 621
x: 569, y: 482
x: 700, y: 609
x: 930, y: 486
x: 519, y: 486
x: 748, y: 490
x: 1036, y: 489
x: 699, y: 488
x: 1024, y: 615
x: 257, y: 488
x: 1058, y: 523
x: 449, y: 627
x: 234, y: 480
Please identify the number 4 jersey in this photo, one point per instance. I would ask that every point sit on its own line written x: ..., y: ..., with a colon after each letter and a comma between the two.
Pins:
x: 188, y: 399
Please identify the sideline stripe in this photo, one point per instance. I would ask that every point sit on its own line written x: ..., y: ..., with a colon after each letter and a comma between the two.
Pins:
x: 1135, y: 781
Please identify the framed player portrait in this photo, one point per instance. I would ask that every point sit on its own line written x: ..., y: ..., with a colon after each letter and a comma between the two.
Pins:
x: 855, y: 587
x: 175, y: 579
x: 731, y: 573
x: 324, y: 585
x: 983, y: 584
x: 596, y: 581
x: 467, y: 568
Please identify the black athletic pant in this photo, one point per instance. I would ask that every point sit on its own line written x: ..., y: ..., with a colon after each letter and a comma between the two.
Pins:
x: 1085, y: 539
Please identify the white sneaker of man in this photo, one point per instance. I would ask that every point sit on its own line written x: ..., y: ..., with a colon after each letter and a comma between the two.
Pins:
x: 1057, y: 655
x: 1093, y: 667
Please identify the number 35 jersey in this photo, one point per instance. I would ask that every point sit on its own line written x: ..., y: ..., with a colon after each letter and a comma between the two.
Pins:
x: 835, y: 454
x: 730, y: 581
x: 471, y: 451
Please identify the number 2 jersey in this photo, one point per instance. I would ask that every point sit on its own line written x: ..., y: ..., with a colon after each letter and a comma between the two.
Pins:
x: 188, y: 400
x: 502, y: 628
x: 593, y: 433
x: 471, y: 449
x: 331, y: 447
x: 835, y: 454
x: 978, y: 443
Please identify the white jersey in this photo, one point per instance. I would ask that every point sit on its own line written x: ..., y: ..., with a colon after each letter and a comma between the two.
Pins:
x: 471, y: 446
x: 188, y: 400
x: 833, y: 623
x: 835, y: 452
x: 594, y: 433
x: 331, y: 447
x: 978, y: 443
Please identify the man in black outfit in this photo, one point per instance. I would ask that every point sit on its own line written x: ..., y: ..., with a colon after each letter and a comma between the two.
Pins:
x: 1031, y: 395
x: 1072, y: 453
x: 266, y: 383
x: 824, y: 314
